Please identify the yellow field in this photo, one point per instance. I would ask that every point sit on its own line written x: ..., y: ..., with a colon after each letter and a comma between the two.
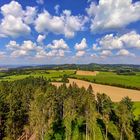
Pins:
x: 87, y: 73
x: 115, y: 93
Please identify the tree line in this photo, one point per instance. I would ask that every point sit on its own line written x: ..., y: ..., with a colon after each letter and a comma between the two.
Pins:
x: 36, y: 106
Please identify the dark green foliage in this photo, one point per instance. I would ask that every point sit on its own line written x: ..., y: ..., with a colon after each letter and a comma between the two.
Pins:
x: 65, y: 79
x: 64, y: 113
x: 125, y: 72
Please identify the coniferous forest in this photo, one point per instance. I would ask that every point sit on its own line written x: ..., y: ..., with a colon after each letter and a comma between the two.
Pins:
x: 35, y: 107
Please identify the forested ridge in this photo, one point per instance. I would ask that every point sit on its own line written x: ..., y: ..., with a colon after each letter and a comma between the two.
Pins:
x: 35, y: 106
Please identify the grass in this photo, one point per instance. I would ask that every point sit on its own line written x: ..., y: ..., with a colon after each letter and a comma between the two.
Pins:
x: 106, y: 78
x: 110, y: 78
x: 136, y: 109
x: 53, y: 75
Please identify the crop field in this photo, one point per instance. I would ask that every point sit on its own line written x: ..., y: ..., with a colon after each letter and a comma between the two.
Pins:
x: 115, y: 93
x: 87, y: 73
x: 105, y: 78
x: 110, y: 78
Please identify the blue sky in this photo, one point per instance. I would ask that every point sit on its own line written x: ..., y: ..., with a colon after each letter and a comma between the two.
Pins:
x: 80, y: 31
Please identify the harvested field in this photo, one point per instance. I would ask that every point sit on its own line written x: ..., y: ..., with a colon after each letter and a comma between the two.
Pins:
x: 115, y: 93
x: 87, y: 73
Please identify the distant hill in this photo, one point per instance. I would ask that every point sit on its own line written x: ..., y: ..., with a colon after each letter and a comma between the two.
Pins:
x: 91, y: 67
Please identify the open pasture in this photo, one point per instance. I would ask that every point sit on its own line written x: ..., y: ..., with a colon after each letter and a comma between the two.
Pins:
x: 53, y: 75
x: 112, y: 79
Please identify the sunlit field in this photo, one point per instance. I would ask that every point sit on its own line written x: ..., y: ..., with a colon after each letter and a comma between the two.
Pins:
x: 111, y: 78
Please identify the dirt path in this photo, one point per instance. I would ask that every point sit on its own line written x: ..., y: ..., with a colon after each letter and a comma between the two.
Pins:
x: 115, y: 93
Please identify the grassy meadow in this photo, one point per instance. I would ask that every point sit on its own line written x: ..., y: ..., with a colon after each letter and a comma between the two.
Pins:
x: 137, y: 109
x: 53, y: 75
x: 111, y: 78
x: 105, y: 78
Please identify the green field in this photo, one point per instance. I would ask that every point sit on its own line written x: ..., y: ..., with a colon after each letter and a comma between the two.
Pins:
x: 136, y: 109
x: 106, y: 78
x: 53, y: 75
x: 110, y: 78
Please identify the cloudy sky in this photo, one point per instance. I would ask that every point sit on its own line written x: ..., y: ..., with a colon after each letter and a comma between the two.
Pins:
x: 69, y: 31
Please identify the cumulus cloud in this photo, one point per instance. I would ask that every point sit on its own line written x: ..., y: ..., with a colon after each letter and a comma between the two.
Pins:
x: 41, y: 53
x: 12, y: 45
x: 82, y: 45
x: 2, y: 54
x: 110, y: 15
x: 56, y: 53
x: 14, y: 27
x: 19, y: 53
x: 65, y: 24
x: 94, y: 55
x: 29, y: 15
x: 58, y: 48
x: 12, y: 8
x: 51, y: 53
x: 105, y: 53
x: 15, y: 20
x: 124, y: 52
x: 58, y: 44
x: 131, y: 39
x: 25, y: 49
x: 40, y: 38
x: 111, y: 42
x: 80, y: 53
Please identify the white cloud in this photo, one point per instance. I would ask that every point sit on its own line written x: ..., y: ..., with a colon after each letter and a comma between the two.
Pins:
x: 82, y: 45
x: 94, y: 55
x: 45, y: 23
x: 25, y: 49
x: 28, y: 45
x: 80, y: 53
x: 41, y: 53
x: 95, y: 48
x: 58, y: 44
x: 131, y: 39
x: 65, y: 24
x: 12, y: 45
x: 14, y: 27
x: 31, y: 49
x: 124, y: 52
x: 19, y: 53
x: 15, y: 20
x: 40, y: 38
x: 56, y: 53
x: 29, y: 15
x: 111, y: 42
x: 56, y: 8
x: 105, y: 53
x: 110, y: 15
x: 52, y: 53
x: 2, y: 54
x: 12, y: 8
